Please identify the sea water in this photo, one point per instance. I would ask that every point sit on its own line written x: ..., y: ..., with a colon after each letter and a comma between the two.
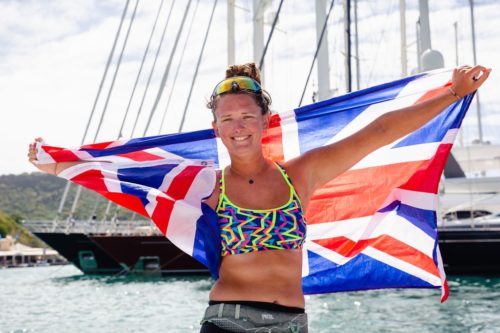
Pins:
x: 61, y: 299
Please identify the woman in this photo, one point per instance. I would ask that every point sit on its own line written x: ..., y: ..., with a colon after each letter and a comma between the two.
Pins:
x: 260, y: 204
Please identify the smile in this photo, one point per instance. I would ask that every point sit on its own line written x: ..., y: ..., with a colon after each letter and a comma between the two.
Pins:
x: 241, y: 138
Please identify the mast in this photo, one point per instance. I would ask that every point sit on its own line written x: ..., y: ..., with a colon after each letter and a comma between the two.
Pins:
x: 402, y: 29
x: 478, y: 104
x: 230, y: 32
x: 259, y: 7
x: 425, y: 28
x: 356, y: 45
x: 323, y: 62
x: 429, y: 59
x: 347, y: 38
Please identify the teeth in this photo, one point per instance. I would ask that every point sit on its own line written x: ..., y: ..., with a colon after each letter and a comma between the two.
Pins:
x: 241, y: 138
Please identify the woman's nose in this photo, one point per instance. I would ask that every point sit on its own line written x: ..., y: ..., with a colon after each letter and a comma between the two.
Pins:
x: 239, y: 124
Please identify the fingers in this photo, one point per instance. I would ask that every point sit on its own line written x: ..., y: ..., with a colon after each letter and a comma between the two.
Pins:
x: 483, y: 76
x: 32, y: 149
x: 467, y: 79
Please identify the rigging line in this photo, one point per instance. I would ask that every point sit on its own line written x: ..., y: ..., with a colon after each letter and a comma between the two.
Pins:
x: 382, y: 37
x: 110, y: 57
x: 317, y: 50
x: 261, y: 63
x: 116, y: 70
x: 132, y: 18
x: 152, y: 69
x: 167, y: 69
x: 197, y: 67
x: 120, y: 132
x: 178, y: 67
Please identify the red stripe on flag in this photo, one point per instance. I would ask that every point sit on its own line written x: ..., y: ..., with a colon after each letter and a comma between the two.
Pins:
x: 433, y: 93
x: 177, y: 191
x: 60, y: 154
x: 358, y: 193
x: 182, y: 182
x: 141, y: 156
x: 445, y: 291
x: 272, y: 142
x: 427, y: 180
x: 98, y: 146
x: 94, y: 180
x: 91, y: 179
x: 162, y: 212
x: 384, y: 243
x: 128, y: 201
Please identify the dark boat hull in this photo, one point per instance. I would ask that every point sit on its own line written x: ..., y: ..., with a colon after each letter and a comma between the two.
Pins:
x: 119, y: 254
x: 464, y: 251
x: 470, y: 251
x: 82, y: 252
x: 157, y: 252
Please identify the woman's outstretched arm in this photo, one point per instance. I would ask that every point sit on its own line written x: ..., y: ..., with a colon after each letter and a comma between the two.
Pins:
x: 318, y: 166
x: 52, y: 168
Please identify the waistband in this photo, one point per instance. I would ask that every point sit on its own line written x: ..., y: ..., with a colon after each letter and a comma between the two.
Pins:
x: 263, y: 306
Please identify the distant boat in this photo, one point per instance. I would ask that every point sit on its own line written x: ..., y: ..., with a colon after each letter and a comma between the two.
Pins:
x: 120, y: 252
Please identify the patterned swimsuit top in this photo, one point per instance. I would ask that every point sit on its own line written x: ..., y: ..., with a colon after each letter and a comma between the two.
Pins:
x: 250, y: 230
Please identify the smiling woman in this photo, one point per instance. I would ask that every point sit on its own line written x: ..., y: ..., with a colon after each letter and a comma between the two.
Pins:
x: 261, y: 288
x: 260, y: 205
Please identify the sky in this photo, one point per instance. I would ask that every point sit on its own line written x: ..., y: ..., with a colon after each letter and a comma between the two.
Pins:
x: 53, y: 55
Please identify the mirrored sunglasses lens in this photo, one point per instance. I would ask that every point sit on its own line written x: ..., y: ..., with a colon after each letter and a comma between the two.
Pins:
x: 243, y: 83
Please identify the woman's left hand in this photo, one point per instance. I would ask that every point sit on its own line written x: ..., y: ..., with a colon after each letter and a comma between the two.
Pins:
x: 466, y: 79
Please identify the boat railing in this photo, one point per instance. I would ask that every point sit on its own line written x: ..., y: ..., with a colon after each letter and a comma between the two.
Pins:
x: 129, y: 227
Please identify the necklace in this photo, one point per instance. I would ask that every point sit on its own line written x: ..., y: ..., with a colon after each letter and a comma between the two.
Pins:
x: 251, y: 180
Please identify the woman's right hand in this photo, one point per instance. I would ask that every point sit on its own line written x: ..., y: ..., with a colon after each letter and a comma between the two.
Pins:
x: 32, y: 151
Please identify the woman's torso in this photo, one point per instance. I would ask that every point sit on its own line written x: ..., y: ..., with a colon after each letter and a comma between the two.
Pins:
x: 266, y: 275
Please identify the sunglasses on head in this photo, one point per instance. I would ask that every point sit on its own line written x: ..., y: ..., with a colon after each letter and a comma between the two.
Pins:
x: 235, y: 84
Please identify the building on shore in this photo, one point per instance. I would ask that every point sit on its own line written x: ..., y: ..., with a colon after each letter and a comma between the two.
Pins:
x: 15, y: 254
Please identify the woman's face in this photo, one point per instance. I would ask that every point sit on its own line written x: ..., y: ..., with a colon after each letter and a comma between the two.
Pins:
x: 239, y: 123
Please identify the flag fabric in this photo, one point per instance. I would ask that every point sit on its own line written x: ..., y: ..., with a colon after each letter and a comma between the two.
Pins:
x: 372, y: 227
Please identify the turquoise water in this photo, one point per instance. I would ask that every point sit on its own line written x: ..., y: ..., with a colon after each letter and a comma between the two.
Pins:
x: 61, y: 299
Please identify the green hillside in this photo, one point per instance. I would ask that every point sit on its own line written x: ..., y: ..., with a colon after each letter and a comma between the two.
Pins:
x: 9, y: 225
x: 36, y: 196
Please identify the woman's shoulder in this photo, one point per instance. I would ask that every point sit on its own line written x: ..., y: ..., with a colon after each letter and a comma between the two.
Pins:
x: 298, y: 176
x: 213, y: 199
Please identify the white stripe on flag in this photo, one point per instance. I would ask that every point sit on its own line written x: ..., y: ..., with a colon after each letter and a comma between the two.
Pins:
x: 450, y: 136
x: 403, y: 266
x: 352, y: 228
x: 182, y: 224
x: 421, y: 200
x: 389, y: 224
x: 223, y: 154
x: 327, y: 253
x: 290, y: 134
x: 387, y: 155
x: 399, y: 228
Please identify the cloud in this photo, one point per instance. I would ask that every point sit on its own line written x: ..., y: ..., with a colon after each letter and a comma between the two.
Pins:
x: 51, y: 64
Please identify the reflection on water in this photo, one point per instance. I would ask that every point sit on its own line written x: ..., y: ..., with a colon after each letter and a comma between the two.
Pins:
x: 60, y: 299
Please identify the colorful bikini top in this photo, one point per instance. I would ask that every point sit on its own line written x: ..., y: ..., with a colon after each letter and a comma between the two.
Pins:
x: 250, y: 230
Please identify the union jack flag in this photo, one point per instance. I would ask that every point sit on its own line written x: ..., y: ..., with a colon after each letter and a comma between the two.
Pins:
x: 372, y: 227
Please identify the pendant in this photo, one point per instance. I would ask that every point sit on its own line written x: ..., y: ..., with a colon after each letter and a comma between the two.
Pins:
x: 250, y: 181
